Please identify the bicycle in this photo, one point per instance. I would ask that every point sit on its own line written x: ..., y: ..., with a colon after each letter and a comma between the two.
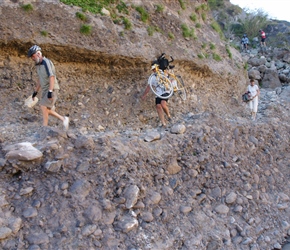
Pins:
x: 166, y: 81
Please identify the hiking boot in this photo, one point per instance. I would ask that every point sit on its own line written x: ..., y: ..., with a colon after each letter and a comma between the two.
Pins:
x: 66, y: 122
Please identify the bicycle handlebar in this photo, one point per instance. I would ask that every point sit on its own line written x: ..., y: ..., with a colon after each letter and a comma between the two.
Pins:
x: 172, y: 59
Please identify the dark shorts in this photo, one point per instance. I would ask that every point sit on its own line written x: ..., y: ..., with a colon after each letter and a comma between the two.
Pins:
x: 263, y: 40
x: 158, y: 100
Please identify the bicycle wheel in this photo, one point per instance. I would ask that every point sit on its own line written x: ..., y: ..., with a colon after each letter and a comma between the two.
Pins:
x: 160, y: 84
x: 181, y: 90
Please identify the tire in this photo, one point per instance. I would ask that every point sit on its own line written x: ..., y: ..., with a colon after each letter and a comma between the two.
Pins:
x: 162, y: 83
x: 181, y: 90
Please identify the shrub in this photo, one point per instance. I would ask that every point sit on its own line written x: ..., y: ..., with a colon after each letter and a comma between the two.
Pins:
x: 171, y: 35
x: 44, y: 33
x: 216, y: 57
x: 204, y: 7
x: 117, y: 21
x: 122, y: 8
x: 193, y: 17
x: 198, y: 9
x: 216, y: 4
x: 217, y: 28
x: 234, y: 10
x: 81, y: 16
x: 151, y: 30
x: 203, y: 45
x: 186, y: 32
x: 127, y: 23
x: 203, y: 16
x: 211, y: 46
x: 182, y: 4
x: 86, y: 29
x: 89, y: 5
x: 198, y: 26
x: 200, y: 56
x: 144, y: 14
x: 159, y: 8
x: 27, y: 7
x: 253, y: 22
x: 229, y: 52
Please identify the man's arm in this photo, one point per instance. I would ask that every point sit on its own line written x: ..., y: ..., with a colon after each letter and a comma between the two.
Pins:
x: 51, y: 82
x: 37, y: 88
x: 145, y: 92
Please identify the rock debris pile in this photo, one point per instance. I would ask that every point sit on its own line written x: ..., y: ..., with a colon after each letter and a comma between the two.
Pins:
x: 206, y: 182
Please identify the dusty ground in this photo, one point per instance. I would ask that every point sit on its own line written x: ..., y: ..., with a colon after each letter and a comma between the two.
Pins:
x: 213, y: 180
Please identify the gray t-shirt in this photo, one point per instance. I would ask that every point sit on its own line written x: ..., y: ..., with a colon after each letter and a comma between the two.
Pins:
x: 44, y: 70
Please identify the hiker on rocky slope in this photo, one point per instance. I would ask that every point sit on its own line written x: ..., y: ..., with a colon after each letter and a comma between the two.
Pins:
x: 161, y: 104
x: 253, y: 103
x: 47, y: 82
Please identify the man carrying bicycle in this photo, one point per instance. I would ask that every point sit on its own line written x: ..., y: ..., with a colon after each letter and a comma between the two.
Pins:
x: 161, y: 104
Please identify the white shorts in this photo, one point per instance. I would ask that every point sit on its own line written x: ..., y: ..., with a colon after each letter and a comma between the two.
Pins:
x: 254, y: 104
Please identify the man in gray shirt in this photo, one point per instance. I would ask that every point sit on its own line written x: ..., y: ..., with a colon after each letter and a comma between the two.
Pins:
x: 47, y: 82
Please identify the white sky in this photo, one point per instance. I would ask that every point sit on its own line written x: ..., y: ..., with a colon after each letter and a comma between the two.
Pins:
x: 276, y: 9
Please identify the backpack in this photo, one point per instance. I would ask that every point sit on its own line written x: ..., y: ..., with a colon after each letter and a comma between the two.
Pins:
x: 246, y: 97
x: 163, y: 62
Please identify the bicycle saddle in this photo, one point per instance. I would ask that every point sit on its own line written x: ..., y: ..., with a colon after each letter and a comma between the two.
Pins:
x: 171, y: 66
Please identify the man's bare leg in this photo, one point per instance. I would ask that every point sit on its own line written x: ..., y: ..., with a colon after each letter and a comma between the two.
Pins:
x: 160, y: 114
x: 165, y: 108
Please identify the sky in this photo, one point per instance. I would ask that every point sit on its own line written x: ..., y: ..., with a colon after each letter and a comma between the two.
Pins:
x: 276, y: 9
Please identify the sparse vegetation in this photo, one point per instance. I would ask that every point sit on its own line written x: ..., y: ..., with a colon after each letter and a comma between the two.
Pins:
x: 122, y: 8
x: 27, y: 7
x: 198, y: 9
x: 171, y: 35
x: 203, y: 16
x: 144, y: 14
x: 216, y: 57
x: 211, y: 46
x: 91, y: 6
x: 182, y: 4
x: 203, y: 45
x: 81, y: 16
x: 251, y: 24
x: 44, y: 33
x: 200, y: 56
x: 204, y: 7
x: 229, y: 52
x: 216, y: 4
x: 86, y: 29
x: 187, y: 32
x: 127, y: 23
x: 193, y: 17
x: 152, y: 29
x: 217, y: 28
x: 159, y: 8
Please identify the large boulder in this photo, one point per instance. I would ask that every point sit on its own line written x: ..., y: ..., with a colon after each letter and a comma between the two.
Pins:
x: 271, y: 79
x: 254, y: 74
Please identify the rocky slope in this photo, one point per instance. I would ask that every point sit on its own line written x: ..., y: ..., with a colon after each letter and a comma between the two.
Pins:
x: 212, y: 180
